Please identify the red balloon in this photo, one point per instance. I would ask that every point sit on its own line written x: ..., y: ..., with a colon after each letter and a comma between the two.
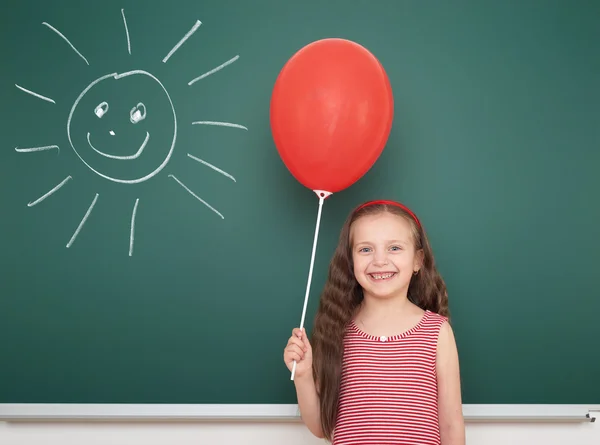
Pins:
x: 331, y: 113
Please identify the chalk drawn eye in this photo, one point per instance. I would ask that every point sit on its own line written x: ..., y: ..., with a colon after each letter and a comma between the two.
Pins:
x: 137, y: 113
x: 101, y: 109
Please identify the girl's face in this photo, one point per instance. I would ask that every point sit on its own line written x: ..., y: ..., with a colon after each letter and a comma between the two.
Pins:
x: 384, y: 254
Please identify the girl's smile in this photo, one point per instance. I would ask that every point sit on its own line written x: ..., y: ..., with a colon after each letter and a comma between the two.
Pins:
x: 382, y: 276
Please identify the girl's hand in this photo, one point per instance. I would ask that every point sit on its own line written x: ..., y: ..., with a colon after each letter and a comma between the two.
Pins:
x: 298, y: 349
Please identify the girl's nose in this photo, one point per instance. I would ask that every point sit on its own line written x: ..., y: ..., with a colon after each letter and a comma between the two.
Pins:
x: 380, y: 259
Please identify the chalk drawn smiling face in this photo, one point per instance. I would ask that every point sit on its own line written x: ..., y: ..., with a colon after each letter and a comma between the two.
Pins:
x: 125, y: 140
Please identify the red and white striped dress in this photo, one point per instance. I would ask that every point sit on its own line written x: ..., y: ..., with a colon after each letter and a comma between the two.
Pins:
x: 388, y: 392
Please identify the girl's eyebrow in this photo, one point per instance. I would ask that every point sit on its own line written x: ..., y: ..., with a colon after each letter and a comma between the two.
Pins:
x: 394, y: 241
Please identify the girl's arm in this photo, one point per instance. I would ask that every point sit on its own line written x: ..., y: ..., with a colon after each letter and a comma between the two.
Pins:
x: 452, y: 426
x: 299, y: 349
x: 308, y: 403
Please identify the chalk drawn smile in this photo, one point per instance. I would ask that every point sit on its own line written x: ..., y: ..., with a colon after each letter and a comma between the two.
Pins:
x: 133, y: 156
x: 131, y: 85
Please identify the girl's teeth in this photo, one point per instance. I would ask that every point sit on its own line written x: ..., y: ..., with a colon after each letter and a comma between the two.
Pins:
x: 382, y: 276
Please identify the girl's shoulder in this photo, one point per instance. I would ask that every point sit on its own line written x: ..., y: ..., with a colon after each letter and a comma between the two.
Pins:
x: 434, y: 322
x: 434, y: 317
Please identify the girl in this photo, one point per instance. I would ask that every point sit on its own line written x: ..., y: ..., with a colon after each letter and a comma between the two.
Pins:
x: 383, y: 364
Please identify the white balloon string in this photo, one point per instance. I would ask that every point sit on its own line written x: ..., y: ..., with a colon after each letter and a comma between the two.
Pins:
x: 322, y: 196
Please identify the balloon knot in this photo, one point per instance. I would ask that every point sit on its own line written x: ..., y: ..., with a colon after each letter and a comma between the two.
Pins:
x: 322, y: 194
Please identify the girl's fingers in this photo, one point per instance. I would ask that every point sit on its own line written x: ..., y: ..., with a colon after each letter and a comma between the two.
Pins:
x: 296, y: 341
x: 294, y: 356
x: 296, y: 350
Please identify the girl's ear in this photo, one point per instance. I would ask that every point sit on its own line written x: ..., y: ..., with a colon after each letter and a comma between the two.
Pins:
x: 419, y: 258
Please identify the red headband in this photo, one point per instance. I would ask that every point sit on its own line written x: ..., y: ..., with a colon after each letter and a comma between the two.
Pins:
x: 392, y: 203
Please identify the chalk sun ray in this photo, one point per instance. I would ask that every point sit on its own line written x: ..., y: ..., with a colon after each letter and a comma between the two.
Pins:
x: 50, y: 192
x: 83, y: 220
x: 66, y: 40
x: 214, y: 70
x: 224, y: 173
x: 34, y: 149
x: 132, y: 231
x: 126, y: 31
x: 220, y: 124
x: 39, y: 96
x: 182, y: 41
x: 196, y: 196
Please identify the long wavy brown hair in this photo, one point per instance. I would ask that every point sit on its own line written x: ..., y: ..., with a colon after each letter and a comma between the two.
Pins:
x: 342, y: 296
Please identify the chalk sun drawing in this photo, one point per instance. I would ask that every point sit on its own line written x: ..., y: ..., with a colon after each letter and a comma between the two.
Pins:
x: 88, y: 145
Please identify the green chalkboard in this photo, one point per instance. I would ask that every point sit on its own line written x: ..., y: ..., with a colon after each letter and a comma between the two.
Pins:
x: 495, y: 145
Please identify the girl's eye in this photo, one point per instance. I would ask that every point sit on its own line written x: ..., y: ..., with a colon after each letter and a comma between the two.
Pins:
x: 396, y: 248
x: 364, y: 249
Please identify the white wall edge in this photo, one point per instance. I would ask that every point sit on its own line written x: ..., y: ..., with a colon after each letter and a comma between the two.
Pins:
x: 266, y: 412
